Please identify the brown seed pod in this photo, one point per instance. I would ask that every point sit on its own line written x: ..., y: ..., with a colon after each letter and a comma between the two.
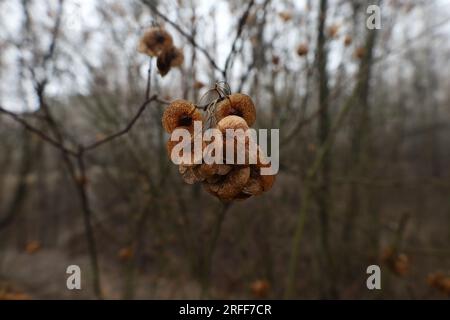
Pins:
x: 125, y: 254
x: 180, y: 113
x: 253, y: 186
x: 260, y: 288
x: 155, y: 41
x: 276, y: 60
x: 347, y: 40
x: 401, y: 264
x: 242, y: 196
x: 333, y: 30
x: 231, y: 184
x: 238, y: 142
x: 360, y: 52
x: 237, y: 104
x: 285, y: 16
x: 258, y: 183
x: 435, y: 279
x: 302, y: 49
x: 170, y: 58
x: 232, y: 122
x: 213, y: 169
x: 190, y: 174
x: 198, y: 85
x: 32, y: 247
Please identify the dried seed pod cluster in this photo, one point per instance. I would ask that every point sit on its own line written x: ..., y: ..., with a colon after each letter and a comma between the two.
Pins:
x: 157, y: 42
x: 227, y: 180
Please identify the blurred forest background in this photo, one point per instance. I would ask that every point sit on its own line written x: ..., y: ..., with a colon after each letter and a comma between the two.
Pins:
x: 364, y: 119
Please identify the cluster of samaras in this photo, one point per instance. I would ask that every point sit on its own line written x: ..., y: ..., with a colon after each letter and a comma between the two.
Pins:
x: 227, y: 181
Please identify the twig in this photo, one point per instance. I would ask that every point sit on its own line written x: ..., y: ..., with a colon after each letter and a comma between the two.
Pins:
x: 212, y: 247
x: 241, y: 24
x: 125, y: 130
x: 149, y: 80
x: 36, y: 131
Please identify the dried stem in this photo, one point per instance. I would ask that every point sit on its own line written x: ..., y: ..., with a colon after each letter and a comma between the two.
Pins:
x: 206, y: 277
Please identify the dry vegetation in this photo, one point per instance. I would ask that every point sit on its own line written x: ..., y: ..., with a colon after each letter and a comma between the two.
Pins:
x: 364, y: 135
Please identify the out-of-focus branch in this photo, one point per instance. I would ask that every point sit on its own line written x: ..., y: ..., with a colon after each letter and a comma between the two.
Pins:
x: 36, y: 131
x: 125, y: 130
x: 51, y: 50
x: 240, y: 28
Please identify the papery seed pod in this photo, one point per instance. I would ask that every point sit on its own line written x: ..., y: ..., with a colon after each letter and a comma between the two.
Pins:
x: 180, y: 113
x: 214, y: 169
x: 32, y: 247
x: 214, y: 179
x: 170, y: 58
x: 234, y: 182
x: 302, y: 49
x: 360, y: 52
x: 285, y: 16
x: 232, y: 122
x: 401, y: 264
x: 260, y: 288
x: 253, y: 187
x: 258, y: 183
x: 231, y: 184
x: 276, y: 60
x: 237, y: 104
x: 155, y: 41
x: 223, y: 169
x: 242, y: 196
x: 190, y: 174
x: 125, y: 254
x: 239, y: 142
x: 347, y: 40
x: 435, y: 279
x: 198, y: 85
x: 333, y: 30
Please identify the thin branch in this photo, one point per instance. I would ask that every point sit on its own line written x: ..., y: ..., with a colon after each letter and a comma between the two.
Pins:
x: 36, y: 131
x: 149, y: 80
x: 241, y: 25
x: 125, y: 130
x: 48, y: 56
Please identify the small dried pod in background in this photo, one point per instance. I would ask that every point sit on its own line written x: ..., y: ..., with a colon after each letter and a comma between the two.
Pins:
x: 333, y: 31
x: 237, y: 104
x: 168, y: 59
x: 302, y: 49
x: 360, y: 52
x: 285, y: 15
x: 180, y: 113
x: 155, y: 41
x: 260, y: 288
x: 348, y: 40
